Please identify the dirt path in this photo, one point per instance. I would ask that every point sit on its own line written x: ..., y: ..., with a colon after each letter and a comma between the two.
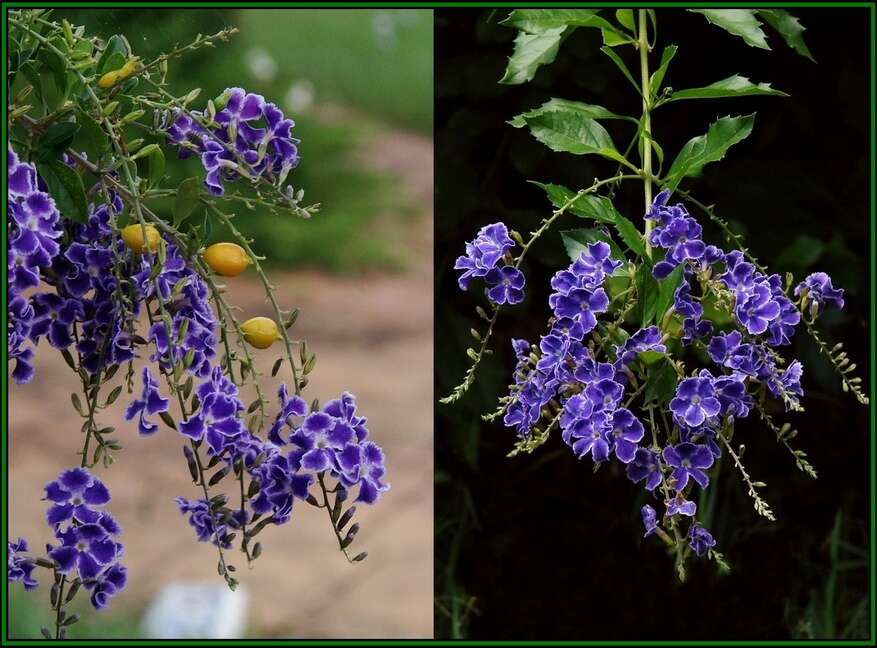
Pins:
x: 373, y: 336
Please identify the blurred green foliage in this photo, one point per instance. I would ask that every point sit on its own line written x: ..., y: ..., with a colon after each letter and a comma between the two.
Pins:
x: 348, y: 79
x: 30, y: 610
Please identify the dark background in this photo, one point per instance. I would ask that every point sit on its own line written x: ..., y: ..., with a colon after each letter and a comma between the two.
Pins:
x: 538, y: 546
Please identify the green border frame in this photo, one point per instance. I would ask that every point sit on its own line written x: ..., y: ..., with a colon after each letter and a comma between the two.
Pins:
x: 4, y: 379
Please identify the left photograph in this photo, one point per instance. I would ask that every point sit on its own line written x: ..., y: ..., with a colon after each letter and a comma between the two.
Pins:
x: 219, y: 324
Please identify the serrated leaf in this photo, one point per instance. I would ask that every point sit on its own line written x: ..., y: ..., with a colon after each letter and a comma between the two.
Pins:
x: 631, y: 236
x: 566, y: 106
x: 666, y: 292
x: 789, y: 28
x: 733, y: 86
x: 576, y: 241
x: 568, y: 132
x: 186, y: 200
x: 739, y: 22
x: 598, y: 208
x: 539, y: 21
x: 700, y: 151
x: 65, y: 187
x: 657, y: 78
x: 531, y: 51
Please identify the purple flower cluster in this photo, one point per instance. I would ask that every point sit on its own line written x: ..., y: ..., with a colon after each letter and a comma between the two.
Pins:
x: 19, y: 566
x: 86, y: 534
x: 816, y: 291
x: 505, y: 284
x: 248, y: 138
x: 33, y: 227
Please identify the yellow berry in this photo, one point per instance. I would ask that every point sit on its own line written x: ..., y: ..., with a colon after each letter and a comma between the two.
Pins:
x: 133, y: 237
x: 109, y: 79
x: 227, y: 259
x: 261, y: 332
x: 113, y: 77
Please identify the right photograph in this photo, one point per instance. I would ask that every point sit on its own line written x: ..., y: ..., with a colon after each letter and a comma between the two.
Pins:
x: 652, y: 324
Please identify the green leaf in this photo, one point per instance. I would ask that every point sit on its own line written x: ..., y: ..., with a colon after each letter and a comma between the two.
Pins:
x: 569, y: 132
x: 650, y: 357
x: 187, y: 198
x: 600, y: 209
x: 631, y: 236
x: 566, y: 106
x: 539, y: 21
x: 625, y: 18
x: 666, y: 292
x: 65, y: 187
x: 115, y: 50
x: 57, y: 140
x: 657, y: 77
x: 576, y: 241
x: 661, y: 384
x: 646, y: 294
x: 740, y: 22
x: 608, y: 51
x: 586, y: 206
x: 801, y: 253
x: 90, y: 138
x: 733, y: 86
x: 531, y: 52
x: 615, y: 38
x: 701, y: 150
x: 155, y: 166
x: 789, y: 28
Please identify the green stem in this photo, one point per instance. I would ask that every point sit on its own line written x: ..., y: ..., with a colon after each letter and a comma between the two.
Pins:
x: 645, y: 137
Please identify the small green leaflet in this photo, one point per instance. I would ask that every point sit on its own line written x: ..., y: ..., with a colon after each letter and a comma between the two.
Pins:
x: 646, y: 294
x: 700, y: 151
x: 114, y: 55
x: 733, y: 86
x: 539, y: 21
x: 566, y: 106
x: 657, y: 77
x: 531, y: 51
x: 569, y: 132
x: 600, y: 209
x: 740, y: 22
x: 661, y: 383
x: 789, y: 28
x: 186, y: 200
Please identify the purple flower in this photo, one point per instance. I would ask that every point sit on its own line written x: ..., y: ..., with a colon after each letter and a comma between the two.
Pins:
x: 756, y: 309
x: 280, y: 484
x: 583, y: 305
x: 321, y: 436
x: 87, y: 548
x: 483, y: 253
x: 723, y: 345
x: 505, y: 285
x: 18, y: 567
x: 645, y: 466
x: 205, y: 521
x: 604, y: 394
x: 593, y: 265
x: 645, y: 339
x: 53, y: 316
x: 650, y: 520
x: 788, y: 385
x: 817, y: 290
x: 107, y: 584
x: 289, y: 407
x: 364, y: 465
x: 77, y: 496
x: 151, y: 402
x: 782, y: 328
x: 688, y: 460
x: 584, y: 428
x: 626, y: 432
x: 681, y: 506
x: 732, y: 395
x: 699, y: 539
x: 216, y: 420
x: 695, y: 401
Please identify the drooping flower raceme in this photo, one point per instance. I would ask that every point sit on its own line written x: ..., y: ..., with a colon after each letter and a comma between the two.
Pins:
x: 248, y: 138
x: 505, y: 283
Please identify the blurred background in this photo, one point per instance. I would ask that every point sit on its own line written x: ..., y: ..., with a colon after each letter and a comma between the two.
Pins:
x: 538, y: 546
x: 359, y: 85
